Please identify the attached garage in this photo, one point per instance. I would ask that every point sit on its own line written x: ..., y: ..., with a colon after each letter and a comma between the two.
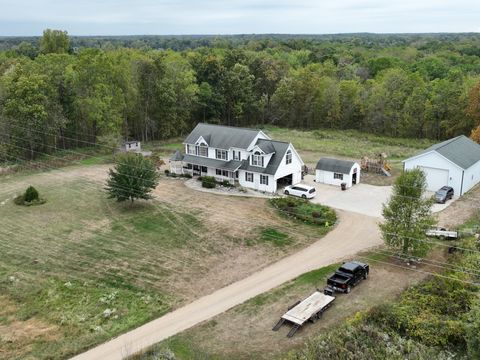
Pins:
x: 334, y: 172
x: 455, y: 163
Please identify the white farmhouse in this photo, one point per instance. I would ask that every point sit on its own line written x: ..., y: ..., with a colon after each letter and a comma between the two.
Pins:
x: 246, y: 157
x: 335, y: 172
x: 454, y: 162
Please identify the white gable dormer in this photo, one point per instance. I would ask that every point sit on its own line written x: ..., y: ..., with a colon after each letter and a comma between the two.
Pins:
x: 201, y: 141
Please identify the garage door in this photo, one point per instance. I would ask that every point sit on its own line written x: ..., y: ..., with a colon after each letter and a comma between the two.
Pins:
x: 436, y: 178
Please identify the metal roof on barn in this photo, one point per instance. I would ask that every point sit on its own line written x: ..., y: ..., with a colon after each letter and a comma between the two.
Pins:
x: 460, y: 150
x: 335, y: 165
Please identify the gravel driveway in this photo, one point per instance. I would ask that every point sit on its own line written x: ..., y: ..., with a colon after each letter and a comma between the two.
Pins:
x: 353, y: 234
x: 362, y: 198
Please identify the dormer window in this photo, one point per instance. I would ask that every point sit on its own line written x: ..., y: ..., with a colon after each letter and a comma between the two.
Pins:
x: 257, y: 159
x: 191, y: 149
x: 288, y: 157
x: 202, y: 150
x: 221, y: 154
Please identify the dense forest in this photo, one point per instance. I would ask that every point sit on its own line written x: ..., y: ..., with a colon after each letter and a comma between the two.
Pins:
x: 58, y: 91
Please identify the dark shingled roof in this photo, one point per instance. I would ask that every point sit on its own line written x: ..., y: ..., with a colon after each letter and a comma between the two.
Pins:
x: 177, y: 156
x: 279, y: 147
x: 460, y: 150
x: 335, y: 165
x: 266, y: 146
x: 222, y: 137
x: 231, y: 165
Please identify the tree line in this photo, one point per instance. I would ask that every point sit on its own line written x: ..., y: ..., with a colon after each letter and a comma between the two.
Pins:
x: 56, y: 95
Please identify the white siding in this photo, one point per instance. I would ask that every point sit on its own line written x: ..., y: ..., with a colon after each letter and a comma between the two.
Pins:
x: 294, y: 168
x: 327, y: 177
x: 471, y: 177
x: 437, y: 161
x: 271, y: 187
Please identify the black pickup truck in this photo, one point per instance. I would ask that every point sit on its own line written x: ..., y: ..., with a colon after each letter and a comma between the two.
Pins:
x: 347, y: 276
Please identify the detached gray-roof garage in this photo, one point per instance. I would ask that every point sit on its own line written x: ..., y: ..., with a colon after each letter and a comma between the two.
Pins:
x: 454, y: 162
x: 334, y: 172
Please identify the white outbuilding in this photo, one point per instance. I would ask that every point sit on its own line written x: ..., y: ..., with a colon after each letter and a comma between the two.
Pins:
x: 335, y: 172
x: 454, y: 162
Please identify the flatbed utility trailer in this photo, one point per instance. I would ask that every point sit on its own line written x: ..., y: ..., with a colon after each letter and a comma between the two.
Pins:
x: 310, y: 309
x: 442, y: 233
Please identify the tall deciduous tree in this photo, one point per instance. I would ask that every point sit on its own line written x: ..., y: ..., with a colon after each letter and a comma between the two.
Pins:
x: 54, y: 41
x: 408, y: 215
x: 134, y: 177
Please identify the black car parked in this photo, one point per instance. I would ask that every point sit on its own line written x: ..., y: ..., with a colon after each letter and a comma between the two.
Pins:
x: 443, y: 194
x: 347, y: 276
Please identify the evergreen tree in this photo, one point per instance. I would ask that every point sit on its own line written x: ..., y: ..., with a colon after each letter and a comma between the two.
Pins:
x: 133, y: 177
x: 408, y: 215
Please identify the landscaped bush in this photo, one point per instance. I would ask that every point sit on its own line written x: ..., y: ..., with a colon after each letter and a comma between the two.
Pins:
x: 187, y: 176
x: 305, y: 211
x: 167, y: 172
x: 226, y: 183
x: 30, y: 197
x: 209, y: 182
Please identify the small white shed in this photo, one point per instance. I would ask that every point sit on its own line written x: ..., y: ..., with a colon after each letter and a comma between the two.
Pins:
x: 132, y: 146
x: 334, y: 172
x: 454, y: 162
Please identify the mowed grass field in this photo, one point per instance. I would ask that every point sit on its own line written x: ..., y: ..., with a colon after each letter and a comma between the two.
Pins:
x: 352, y: 145
x: 79, y: 269
x: 82, y: 268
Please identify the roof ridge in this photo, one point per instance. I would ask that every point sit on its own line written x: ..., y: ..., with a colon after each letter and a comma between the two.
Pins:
x: 273, y: 140
x: 449, y: 141
x: 229, y: 126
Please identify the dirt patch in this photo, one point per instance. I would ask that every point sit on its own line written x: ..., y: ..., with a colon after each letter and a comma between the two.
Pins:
x: 17, y: 336
x: 461, y: 210
x: 245, y: 331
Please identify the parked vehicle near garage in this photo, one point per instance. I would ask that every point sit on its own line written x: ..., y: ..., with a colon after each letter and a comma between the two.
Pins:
x: 346, y: 277
x: 443, y: 194
x: 300, y: 190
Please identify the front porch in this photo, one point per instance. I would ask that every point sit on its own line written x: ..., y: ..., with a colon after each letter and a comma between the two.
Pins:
x: 220, y: 175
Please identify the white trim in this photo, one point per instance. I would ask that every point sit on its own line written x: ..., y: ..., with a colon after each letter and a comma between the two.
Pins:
x: 436, y: 152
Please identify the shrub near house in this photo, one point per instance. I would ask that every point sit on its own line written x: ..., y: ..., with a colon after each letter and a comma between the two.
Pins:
x: 305, y: 211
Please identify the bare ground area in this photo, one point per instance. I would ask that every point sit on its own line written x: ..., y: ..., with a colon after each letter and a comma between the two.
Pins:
x: 461, y: 210
x: 244, y: 332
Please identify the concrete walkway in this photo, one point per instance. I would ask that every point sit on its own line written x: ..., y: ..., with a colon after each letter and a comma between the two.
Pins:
x: 354, y: 233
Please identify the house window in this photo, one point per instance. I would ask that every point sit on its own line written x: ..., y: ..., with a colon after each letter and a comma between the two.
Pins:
x: 202, y: 150
x: 248, y: 177
x: 236, y: 155
x: 224, y: 173
x: 338, y: 176
x: 191, y: 150
x: 257, y: 160
x: 264, y: 179
x: 288, y: 158
x: 221, y: 154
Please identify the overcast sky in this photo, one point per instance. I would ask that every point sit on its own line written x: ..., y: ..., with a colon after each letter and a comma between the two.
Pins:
x: 125, y: 17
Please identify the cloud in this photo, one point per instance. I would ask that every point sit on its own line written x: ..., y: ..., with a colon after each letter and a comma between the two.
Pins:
x: 110, y: 17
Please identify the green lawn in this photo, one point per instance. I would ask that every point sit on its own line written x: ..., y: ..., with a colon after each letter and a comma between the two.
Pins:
x: 347, y: 143
x: 85, y: 265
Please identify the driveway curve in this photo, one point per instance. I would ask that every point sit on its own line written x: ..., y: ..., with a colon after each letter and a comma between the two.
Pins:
x: 354, y: 233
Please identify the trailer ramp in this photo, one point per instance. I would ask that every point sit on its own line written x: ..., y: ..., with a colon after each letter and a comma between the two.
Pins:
x: 309, y: 309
